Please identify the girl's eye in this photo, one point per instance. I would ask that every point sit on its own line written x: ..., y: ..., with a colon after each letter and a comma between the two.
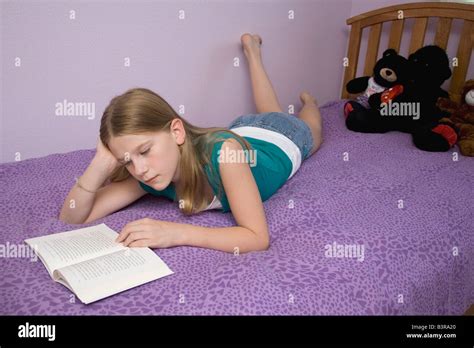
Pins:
x: 141, y: 153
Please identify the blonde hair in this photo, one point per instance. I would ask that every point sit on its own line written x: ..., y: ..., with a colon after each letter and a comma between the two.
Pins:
x: 140, y: 110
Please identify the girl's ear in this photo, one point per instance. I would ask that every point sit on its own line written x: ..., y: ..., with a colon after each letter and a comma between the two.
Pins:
x: 177, y: 131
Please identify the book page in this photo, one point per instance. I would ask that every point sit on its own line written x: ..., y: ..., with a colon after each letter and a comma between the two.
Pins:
x: 109, y: 274
x: 59, y: 278
x: 65, y: 248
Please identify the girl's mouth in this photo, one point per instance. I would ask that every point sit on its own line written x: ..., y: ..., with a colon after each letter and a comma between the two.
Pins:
x: 152, y: 179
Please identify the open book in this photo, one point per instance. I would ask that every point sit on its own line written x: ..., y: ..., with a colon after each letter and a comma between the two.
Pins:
x: 92, y: 265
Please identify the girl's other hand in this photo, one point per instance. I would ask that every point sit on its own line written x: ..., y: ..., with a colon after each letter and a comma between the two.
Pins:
x: 105, y: 158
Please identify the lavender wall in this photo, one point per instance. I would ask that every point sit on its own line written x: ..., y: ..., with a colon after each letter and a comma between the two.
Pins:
x: 89, y: 51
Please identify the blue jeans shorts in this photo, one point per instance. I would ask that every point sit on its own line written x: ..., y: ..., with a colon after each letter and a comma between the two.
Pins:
x: 288, y: 125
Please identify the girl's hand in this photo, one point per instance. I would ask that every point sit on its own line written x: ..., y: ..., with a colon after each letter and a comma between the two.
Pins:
x: 149, y: 233
x: 105, y: 157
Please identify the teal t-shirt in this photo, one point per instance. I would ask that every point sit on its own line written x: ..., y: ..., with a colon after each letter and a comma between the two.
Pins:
x: 271, y: 168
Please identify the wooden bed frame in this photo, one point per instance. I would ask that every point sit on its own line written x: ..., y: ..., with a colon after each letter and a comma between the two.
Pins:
x: 421, y: 11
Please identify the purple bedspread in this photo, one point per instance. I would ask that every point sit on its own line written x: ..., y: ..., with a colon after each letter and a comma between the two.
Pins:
x: 410, y: 211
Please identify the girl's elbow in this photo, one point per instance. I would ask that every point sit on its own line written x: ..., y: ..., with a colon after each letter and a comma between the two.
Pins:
x: 256, y: 247
x: 263, y: 244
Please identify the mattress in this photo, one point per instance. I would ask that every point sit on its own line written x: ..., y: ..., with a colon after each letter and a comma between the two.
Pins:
x: 368, y: 225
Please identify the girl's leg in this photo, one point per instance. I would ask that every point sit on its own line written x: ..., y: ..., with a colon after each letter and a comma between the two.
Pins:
x: 263, y: 92
x: 265, y: 96
x: 311, y: 115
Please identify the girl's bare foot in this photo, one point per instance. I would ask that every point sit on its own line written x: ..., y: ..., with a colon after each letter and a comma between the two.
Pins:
x: 307, y: 98
x: 251, y: 44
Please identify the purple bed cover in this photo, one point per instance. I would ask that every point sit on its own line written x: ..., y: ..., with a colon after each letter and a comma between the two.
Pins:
x: 418, y: 259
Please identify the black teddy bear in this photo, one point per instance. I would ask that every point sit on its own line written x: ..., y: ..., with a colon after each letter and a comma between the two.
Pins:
x: 390, y: 70
x: 362, y: 115
x: 409, y: 105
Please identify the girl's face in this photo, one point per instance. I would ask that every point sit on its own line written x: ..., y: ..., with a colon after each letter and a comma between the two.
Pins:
x: 152, y: 155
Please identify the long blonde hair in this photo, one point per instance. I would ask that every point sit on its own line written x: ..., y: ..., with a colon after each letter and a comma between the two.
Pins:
x: 141, y: 110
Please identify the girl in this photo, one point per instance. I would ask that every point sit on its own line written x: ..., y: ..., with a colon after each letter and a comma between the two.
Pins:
x: 146, y: 147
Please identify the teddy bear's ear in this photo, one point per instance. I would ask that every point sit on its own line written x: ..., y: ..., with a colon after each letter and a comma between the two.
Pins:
x: 389, y: 52
x: 447, y: 73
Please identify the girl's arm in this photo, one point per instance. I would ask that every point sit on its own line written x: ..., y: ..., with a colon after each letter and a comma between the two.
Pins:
x: 79, y: 202
x: 251, y: 234
x: 246, y: 206
x: 236, y: 239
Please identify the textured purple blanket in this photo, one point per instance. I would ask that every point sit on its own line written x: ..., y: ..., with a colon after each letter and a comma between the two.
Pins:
x: 368, y: 225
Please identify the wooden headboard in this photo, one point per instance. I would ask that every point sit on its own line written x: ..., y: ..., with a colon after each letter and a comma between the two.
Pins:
x: 421, y: 11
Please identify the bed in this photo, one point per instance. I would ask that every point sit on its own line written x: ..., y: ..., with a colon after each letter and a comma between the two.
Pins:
x: 408, y: 213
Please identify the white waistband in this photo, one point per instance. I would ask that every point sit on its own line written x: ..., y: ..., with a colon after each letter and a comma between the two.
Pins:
x: 283, y: 142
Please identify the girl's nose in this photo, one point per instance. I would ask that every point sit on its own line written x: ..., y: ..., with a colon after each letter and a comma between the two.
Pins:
x: 141, y: 167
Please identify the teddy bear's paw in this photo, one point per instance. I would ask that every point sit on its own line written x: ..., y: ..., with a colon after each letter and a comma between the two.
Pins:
x: 351, y: 106
x: 439, y: 139
x: 447, y: 132
x: 348, y: 108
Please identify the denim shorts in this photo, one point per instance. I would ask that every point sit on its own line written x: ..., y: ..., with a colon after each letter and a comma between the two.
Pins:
x: 289, y: 125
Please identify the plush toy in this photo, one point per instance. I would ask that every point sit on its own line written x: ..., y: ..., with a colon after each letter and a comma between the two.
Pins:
x: 430, y: 68
x: 410, y: 106
x: 390, y: 70
x: 462, y: 116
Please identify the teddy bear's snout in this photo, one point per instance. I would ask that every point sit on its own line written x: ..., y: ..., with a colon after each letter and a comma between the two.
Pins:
x: 388, y: 74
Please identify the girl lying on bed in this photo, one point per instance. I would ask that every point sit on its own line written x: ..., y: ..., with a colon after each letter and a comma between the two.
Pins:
x: 146, y: 147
